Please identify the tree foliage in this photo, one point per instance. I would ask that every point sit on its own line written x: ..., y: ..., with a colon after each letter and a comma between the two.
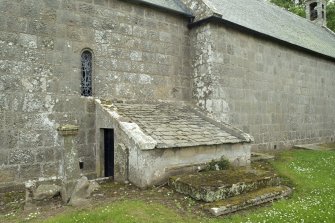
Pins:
x: 331, y: 16
x: 298, y: 7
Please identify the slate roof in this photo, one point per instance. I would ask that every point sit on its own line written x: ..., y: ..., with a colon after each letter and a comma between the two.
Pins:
x: 174, y: 125
x: 269, y: 19
x: 171, y: 5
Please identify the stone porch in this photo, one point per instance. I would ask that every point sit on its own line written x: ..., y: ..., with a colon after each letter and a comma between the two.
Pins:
x: 153, y: 141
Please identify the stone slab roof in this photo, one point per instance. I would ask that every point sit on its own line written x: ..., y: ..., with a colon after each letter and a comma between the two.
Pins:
x: 172, y: 125
x: 171, y: 5
x: 269, y: 19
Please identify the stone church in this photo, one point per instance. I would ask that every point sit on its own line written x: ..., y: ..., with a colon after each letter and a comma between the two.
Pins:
x: 151, y: 88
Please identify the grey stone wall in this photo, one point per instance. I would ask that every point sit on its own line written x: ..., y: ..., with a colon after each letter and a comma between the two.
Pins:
x: 279, y: 95
x: 139, y: 53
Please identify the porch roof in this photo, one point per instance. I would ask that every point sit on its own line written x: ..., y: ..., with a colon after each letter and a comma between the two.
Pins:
x: 174, y: 125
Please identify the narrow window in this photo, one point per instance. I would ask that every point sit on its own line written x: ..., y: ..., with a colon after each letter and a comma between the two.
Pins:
x: 313, y: 11
x: 86, y: 73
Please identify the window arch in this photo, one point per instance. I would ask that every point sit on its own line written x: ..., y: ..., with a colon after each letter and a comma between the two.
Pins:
x: 86, y: 73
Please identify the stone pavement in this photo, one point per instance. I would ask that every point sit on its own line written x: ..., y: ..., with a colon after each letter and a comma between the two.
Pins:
x: 174, y: 125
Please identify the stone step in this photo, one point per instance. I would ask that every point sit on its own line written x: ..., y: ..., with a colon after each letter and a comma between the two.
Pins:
x: 247, y: 200
x: 218, y: 185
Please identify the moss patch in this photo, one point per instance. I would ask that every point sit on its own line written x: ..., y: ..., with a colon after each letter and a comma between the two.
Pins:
x: 257, y: 171
x: 11, y: 201
x: 216, y: 185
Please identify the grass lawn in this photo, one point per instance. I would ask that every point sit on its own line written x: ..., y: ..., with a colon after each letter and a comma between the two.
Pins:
x: 311, y: 173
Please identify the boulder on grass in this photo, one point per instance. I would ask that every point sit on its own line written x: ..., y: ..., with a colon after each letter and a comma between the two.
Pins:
x: 82, y: 192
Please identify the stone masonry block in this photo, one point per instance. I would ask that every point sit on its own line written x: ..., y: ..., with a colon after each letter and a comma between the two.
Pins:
x: 21, y: 156
x: 30, y: 139
x: 8, y: 139
x: 45, y: 155
x: 4, y: 157
x: 52, y: 3
x: 8, y: 174
x: 121, y: 163
x: 101, y: 2
x: 30, y: 172
x: 17, y: 24
x: 29, y: 41
x: 50, y: 169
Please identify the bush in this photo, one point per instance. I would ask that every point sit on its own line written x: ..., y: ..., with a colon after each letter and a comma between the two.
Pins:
x: 222, y: 164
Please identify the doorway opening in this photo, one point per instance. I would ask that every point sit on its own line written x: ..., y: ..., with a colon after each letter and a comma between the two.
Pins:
x: 109, y: 152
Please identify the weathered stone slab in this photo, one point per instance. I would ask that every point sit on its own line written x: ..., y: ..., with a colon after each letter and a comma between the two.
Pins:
x: 174, y: 125
x: 261, y: 156
x: 315, y: 147
x: 248, y: 200
x: 217, y: 185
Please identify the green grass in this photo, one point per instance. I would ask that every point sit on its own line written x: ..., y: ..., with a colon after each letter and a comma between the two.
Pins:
x: 311, y: 173
x: 124, y: 211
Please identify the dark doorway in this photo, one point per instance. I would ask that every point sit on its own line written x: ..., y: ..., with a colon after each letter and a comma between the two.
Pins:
x: 109, y: 152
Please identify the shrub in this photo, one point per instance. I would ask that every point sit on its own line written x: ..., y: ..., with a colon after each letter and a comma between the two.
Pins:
x: 222, y: 164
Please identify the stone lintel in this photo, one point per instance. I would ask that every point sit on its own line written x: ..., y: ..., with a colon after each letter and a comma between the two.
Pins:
x: 67, y: 130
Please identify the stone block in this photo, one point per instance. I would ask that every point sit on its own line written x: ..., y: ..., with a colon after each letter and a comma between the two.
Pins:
x: 49, y: 138
x: 17, y: 24
x: 51, y: 169
x: 101, y: 2
x: 218, y: 185
x: 29, y: 41
x: 57, y: 153
x: 89, y: 164
x: 21, y: 156
x: 10, y: 7
x: 86, y: 150
x: 88, y: 121
x: 87, y: 9
x: 44, y: 155
x: 14, y: 120
x: 121, y: 163
x: 248, y: 200
x: 54, y: 4
x: 4, y: 154
x: 91, y: 136
x: 82, y: 137
x: 90, y: 106
x: 46, y: 43
x: 68, y: 5
x: 30, y: 172
x: 8, y: 173
x: 9, y: 139
x: 30, y: 139
x: 9, y: 83
x: 73, y: 105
